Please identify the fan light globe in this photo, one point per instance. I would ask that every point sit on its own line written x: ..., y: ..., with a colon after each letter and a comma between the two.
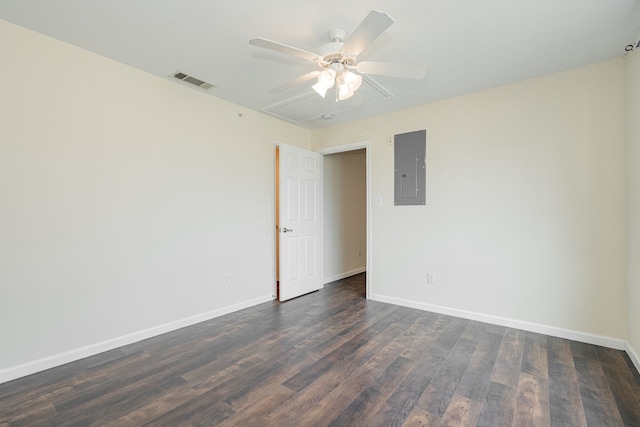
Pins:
x: 348, y: 83
x: 322, y: 91
x: 326, y: 80
x: 352, y: 80
x: 344, y: 92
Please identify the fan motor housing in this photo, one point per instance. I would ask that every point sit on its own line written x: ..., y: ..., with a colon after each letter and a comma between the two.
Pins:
x: 331, y: 53
x: 330, y: 48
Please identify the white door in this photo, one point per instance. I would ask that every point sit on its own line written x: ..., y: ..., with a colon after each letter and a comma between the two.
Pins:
x: 300, y: 224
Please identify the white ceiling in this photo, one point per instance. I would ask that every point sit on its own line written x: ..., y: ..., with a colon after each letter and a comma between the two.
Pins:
x: 468, y: 45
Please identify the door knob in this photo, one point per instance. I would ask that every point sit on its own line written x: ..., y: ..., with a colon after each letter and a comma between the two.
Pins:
x: 286, y: 230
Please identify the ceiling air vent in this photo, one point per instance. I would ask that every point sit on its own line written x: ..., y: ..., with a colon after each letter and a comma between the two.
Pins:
x: 192, y: 80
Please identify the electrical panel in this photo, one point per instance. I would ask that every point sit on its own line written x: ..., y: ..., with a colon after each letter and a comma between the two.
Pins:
x: 410, y: 175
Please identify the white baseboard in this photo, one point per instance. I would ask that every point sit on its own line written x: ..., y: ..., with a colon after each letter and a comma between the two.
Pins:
x: 510, y: 323
x: 633, y: 356
x: 344, y: 275
x: 93, y: 349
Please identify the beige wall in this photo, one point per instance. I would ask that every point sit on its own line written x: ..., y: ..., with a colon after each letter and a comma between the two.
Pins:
x: 345, y: 214
x: 525, y: 215
x: 125, y: 200
x: 633, y: 210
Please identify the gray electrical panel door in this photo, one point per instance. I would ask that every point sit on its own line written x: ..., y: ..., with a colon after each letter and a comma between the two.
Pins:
x: 410, y: 168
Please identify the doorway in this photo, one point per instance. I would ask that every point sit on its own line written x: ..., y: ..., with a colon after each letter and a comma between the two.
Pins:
x: 345, y: 213
x: 355, y: 245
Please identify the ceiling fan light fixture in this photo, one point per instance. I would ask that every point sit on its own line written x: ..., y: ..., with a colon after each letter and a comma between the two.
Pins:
x: 340, y: 55
x: 344, y: 92
x: 326, y: 80
x: 352, y: 80
x: 322, y: 90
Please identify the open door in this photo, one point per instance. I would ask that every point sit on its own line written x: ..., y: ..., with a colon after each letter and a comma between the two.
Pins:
x: 300, y: 222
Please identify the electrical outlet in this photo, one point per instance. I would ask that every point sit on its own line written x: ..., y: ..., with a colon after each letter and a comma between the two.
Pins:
x: 431, y: 279
x: 390, y: 141
x: 227, y: 280
x: 359, y: 252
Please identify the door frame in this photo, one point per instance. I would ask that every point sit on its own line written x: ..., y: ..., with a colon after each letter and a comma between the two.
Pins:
x: 366, y: 145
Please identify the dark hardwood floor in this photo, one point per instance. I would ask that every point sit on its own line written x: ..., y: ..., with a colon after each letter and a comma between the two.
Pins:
x: 332, y: 358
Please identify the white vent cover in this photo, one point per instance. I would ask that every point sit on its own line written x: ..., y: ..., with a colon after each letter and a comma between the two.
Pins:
x: 311, y: 106
x: 192, y: 80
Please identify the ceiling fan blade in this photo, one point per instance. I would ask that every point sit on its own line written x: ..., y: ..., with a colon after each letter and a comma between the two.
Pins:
x: 298, y: 80
x: 404, y: 71
x: 280, y: 47
x: 374, y: 24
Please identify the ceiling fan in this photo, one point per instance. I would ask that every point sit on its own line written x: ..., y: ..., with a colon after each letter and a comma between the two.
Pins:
x: 338, y: 61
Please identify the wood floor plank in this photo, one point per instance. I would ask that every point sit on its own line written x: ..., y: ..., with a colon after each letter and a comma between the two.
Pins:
x: 178, y: 396
x: 506, y: 370
x: 322, y: 348
x: 623, y: 382
x: 128, y: 391
x: 325, y: 380
x: 461, y: 412
x: 67, y: 386
x: 114, y: 390
x: 437, y: 396
x: 583, y: 350
x: 626, y: 392
x: 355, y: 383
x: 475, y: 380
x: 373, y: 334
x: 565, y: 401
x: 534, y: 357
x: 198, y: 412
x: 559, y: 351
x: 31, y: 416
x: 499, y: 406
x: 271, y: 350
x: 430, y: 335
x: 334, y: 358
x: 285, y: 366
x: 420, y: 418
x: 532, y: 407
x: 256, y: 413
x: 599, y: 404
x: 404, y: 398
x: 440, y: 337
x: 367, y: 403
x: 209, y: 407
x: 496, y: 329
